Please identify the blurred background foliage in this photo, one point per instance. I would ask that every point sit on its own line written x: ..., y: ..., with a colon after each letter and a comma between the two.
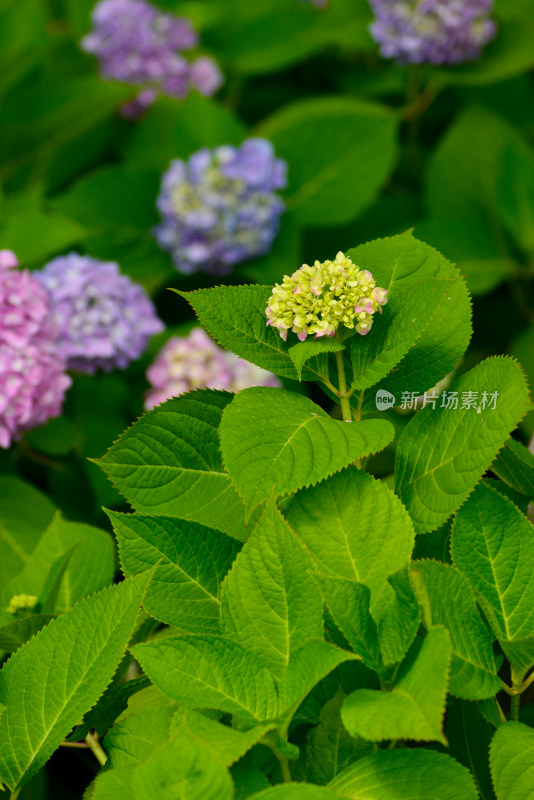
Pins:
x: 373, y: 149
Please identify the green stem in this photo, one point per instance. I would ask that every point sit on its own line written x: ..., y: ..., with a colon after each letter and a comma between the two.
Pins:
x: 14, y: 794
x: 343, y: 395
x: 94, y: 745
x: 284, y: 766
x: 526, y: 683
x: 514, y: 707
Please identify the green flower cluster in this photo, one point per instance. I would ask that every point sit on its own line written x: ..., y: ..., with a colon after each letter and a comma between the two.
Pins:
x: 318, y: 299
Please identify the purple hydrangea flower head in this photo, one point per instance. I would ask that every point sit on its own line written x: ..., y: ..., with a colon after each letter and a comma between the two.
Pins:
x: 104, y: 319
x: 220, y: 207
x: 32, y: 371
x: 137, y: 43
x: 432, y: 31
x: 194, y: 362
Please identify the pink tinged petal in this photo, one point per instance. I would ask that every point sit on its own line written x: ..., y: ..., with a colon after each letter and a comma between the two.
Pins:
x: 8, y: 259
x: 297, y: 289
x: 363, y: 333
x: 302, y: 335
x: 331, y: 333
x: 283, y: 334
x: 380, y: 296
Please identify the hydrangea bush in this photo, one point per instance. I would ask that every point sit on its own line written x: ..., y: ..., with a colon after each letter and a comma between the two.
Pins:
x: 268, y: 534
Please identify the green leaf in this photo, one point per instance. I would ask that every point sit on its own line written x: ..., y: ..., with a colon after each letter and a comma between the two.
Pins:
x: 334, y: 177
x: 210, y: 672
x: 330, y: 747
x: 414, y: 708
x: 143, y: 726
x: 297, y: 791
x: 49, y: 593
x: 191, y: 562
x: 52, y: 231
x: 512, y: 761
x: 348, y: 602
x: 224, y: 743
x: 175, y: 130
x: 270, y: 602
x: 514, y: 190
x: 399, y: 264
x: 77, y: 654
x: 447, y: 600
x: 308, y: 665
x: 443, y: 452
x: 112, y: 784
x: 300, y: 444
x: 168, y: 462
x: 405, y: 318
x: 16, y: 633
x: 400, y: 619
x: 515, y: 466
x: 181, y: 768
x: 469, y: 736
x: 109, y: 707
x: 301, y: 353
x: 492, y: 546
x: 355, y: 528
x: 25, y: 513
x: 235, y: 317
x: 89, y: 568
x: 408, y: 774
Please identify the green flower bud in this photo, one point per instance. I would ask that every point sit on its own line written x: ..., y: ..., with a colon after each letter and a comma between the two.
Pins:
x: 317, y: 300
x: 22, y: 602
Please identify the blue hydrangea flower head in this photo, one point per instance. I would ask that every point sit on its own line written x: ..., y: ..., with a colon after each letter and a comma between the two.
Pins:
x: 137, y: 43
x: 104, y: 319
x: 432, y: 31
x: 220, y: 207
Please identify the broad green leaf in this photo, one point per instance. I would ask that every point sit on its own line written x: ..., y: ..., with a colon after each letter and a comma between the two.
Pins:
x: 348, y: 603
x: 175, y: 130
x: 301, y: 353
x: 447, y: 599
x: 52, y: 231
x: 405, y: 318
x: 400, y: 619
x: 407, y: 774
x: 191, y: 562
x: 355, y: 528
x: 25, y: 513
x: 112, y: 784
x: 515, y: 466
x: 330, y: 747
x: 181, y: 769
x: 469, y: 736
x: 168, y: 462
x: 290, y: 443
x: 16, y: 633
x: 332, y: 178
x: 48, y: 599
x: 90, y: 567
x: 399, y: 264
x: 492, y: 544
x: 77, y: 655
x: 297, y: 791
x: 210, y: 672
x: 270, y: 602
x: 443, y: 452
x: 235, y: 317
x: 309, y: 665
x: 143, y: 726
x: 224, y: 743
x: 515, y: 190
x: 512, y: 762
x: 414, y: 707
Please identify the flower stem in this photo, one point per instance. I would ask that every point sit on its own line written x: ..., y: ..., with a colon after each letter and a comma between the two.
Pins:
x: 94, y: 745
x: 284, y: 766
x: 343, y: 395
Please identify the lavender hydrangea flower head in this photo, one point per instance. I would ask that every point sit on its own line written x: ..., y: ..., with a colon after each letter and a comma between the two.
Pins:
x: 220, y: 207
x: 195, y: 361
x: 104, y: 319
x: 321, y: 298
x: 32, y: 372
x: 137, y: 43
x: 432, y: 31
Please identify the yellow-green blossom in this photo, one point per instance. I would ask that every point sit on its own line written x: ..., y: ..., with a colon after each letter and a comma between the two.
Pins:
x: 22, y: 602
x: 319, y: 299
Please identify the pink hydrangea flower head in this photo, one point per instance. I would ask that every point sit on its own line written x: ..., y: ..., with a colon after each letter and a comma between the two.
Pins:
x: 32, y: 371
